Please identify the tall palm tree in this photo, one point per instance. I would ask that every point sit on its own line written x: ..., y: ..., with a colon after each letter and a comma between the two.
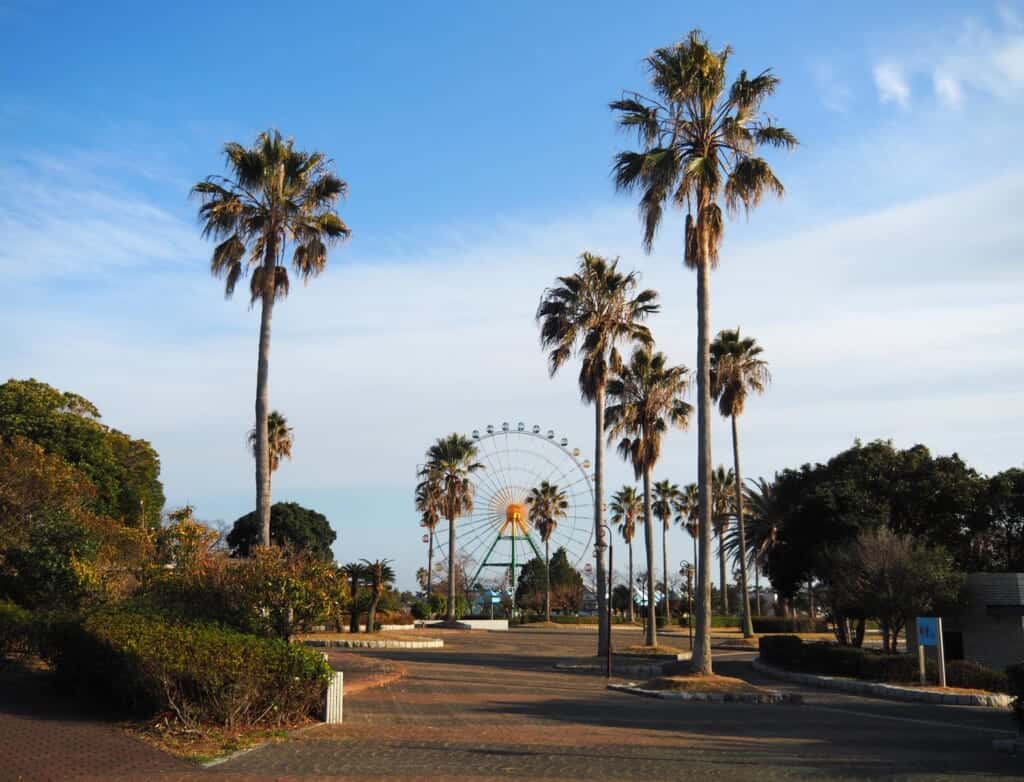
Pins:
x: 723, y: 484
x: 627, y: 506
x: 765, y: 520
x: 279, y: 439
x: 547, y: 504
x: 276, y: 198
x: 429, y: 502
x: 666, y: 494
x: 451, y: 461
x: 590, y: 313
x: 645, y: 399
x: 687, y: 510
x: 736, y: 370
x: 699, y: 142
x: 381, y: 576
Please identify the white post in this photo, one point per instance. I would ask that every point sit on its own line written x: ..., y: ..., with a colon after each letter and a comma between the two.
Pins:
x: 941, y: 652
x: 920, y: 662
x: 334, y: 698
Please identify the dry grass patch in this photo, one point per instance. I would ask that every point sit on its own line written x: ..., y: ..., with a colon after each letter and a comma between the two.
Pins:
x: 643, y: 651
x: 695, y: 683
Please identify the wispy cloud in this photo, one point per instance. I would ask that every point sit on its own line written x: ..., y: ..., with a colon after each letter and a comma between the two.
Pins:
x: 977, y: 56
x: 835, y: 93
x: 892, y: 84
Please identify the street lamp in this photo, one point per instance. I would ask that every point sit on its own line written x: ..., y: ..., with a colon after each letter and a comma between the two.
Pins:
x: 686, y: 569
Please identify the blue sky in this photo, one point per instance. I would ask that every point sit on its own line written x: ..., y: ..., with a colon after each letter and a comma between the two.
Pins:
x: 477, y: 142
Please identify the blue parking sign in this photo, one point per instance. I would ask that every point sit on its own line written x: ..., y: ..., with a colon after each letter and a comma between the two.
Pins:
x: 927, y: 631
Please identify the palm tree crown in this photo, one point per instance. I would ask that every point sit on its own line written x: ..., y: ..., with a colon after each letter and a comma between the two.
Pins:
x: 736, y: 369
x: 723, y: 487
x: 279, y: 439
x: 687, y: 509
x: 645, y: 398
x: 699, y: 142
x: 666, y: 496
x: 547, y: 504
x: 626, y: 507
x: 276, y: 196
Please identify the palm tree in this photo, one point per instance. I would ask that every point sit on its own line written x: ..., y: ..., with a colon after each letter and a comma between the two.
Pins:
x: 451, y: 461
x: 687, y: 510
x: 547, y: 504
x: 381, y: 575
x: 723, y: 484
x: 356, y: 573
x: 626, y: 507
x: 699, y: 142
x: 666, y: 494
x: 276, y: 196
x: 763, y: 525
x: 645, y: 399
x: 590, y: 313
x: 737, y: 369
x: 279, y: 439
x: 429, y: 499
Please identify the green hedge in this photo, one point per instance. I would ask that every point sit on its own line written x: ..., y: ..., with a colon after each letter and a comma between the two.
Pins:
x: 828, y: 659
x: 17, y: 634
x: 197, y: 673
x: 717, y: 620
x: 785, y: 624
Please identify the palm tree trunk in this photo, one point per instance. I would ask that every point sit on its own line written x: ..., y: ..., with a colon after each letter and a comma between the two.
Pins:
x: 748, y: 625
x: 371, y: 613
x: 430, y: 566
x: 721, y: 571
x: 757, y: 588
x: 602, y: 579
x: 651, y: 636
x: 547, y: 581
x: 353, y: 618
x: 263, y: 499
x: 702, y: 642
x: 632, y: 615
x: 664, y: 568
x: 451, y: 570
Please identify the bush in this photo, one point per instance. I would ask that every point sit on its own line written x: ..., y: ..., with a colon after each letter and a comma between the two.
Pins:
x: 781, y: 650
x: 717, y: 620
x: 1015, y: 679
x: 16, y: 630
x: 394, y: 618
x: 964, y: 673
x: 196, y: 672
x: 786, y: 624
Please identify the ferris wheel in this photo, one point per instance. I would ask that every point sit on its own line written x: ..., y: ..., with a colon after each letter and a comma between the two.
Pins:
x: 498, y: 535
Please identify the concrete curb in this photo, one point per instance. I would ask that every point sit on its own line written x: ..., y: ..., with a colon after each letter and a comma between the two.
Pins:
x: 384, y: 643
x: 623, y: 667
x: 710, y: 697
x: 890, y: 692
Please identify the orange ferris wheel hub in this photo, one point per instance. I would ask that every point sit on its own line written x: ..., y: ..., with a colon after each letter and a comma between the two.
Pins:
x: 515, y: 518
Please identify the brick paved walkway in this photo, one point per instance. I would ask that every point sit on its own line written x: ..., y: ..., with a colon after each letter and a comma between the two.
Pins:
x: 488, y: 707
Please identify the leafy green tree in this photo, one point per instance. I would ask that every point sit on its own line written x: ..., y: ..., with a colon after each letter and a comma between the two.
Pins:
x: 291, y: 525
x: 699, y: 141
x: 381, y: 576
x: 547, y: 504
x: 276, y: 196
x: 737, y: 370
x: 666, y: 495
x: 451, y: 462
x: 645, y: 399
x: 627, y: 506
x: 996, y: 541
x: 564, y: 581
x: 590, y: 313
x: 124, y: 471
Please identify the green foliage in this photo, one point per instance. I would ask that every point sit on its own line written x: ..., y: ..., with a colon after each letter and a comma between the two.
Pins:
x: 16, y: 630
x: 566, y: 584
x: 786, y: 624
x: 124, y: 471
x: 290, y: 525
x: 972, y: 676
x: 717, y: 620
x: 194, y: 672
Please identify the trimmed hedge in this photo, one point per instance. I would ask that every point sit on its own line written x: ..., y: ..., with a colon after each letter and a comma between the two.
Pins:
x: 829, y: 659
x: 717, y: 620
x: 17, y: 631
x: 787, y: 624
x: 197, y: 673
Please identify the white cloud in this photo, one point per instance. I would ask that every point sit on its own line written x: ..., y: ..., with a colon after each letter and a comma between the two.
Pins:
x: 836, y: 94
x: 892, y: 84
x: 948, y: 90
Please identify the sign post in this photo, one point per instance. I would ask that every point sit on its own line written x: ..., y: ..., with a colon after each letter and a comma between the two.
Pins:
x: 929, y: 633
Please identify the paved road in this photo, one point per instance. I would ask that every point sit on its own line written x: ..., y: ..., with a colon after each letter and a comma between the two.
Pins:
x: 489, y: 706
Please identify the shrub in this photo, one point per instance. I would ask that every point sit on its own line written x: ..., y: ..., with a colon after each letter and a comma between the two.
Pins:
x: 1015, y: 679
x: 964, y: 673
x: 782, y: 650
x: 394, y: 618
x: 717, y: 620
x: 196, y: 672
x: 786, y: 624
x: 16, y: 630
